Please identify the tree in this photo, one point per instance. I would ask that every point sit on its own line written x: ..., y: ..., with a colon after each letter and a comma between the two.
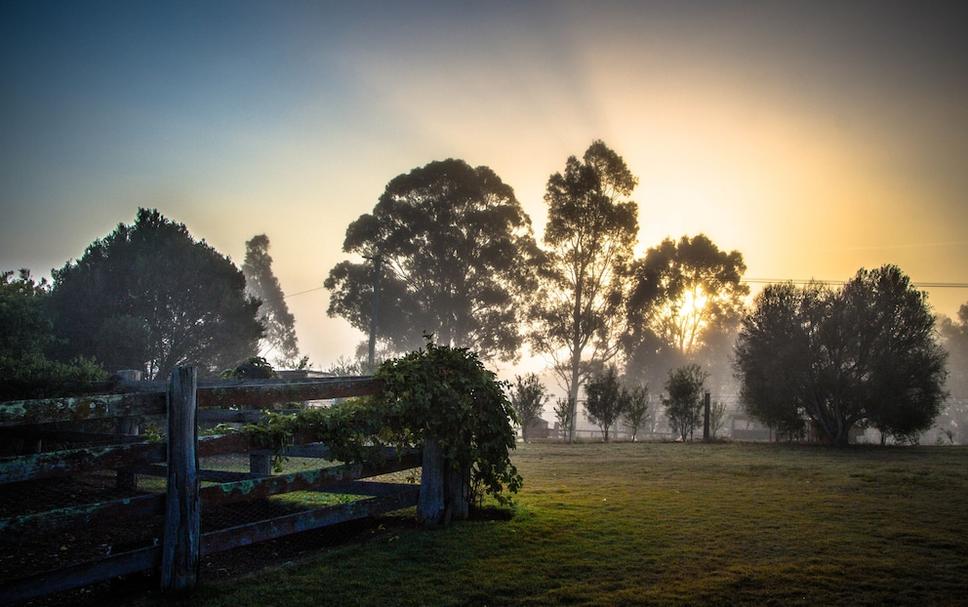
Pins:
x: 589, y: 237
x: 717, y: 417
x: 26, y: 336
x: 685, y: 304
x: 605, y: 402
x: 864, y: 354
x: 457, y: 255
x: 262, y: 284
x: 149, y: 296
x: 954, y: 339
x: 563, y: 410
x: 636, y: 407
x: 528, y: 398
x: 683, y: 403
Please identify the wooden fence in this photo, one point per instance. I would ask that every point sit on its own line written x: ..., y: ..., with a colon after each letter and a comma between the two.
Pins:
x: 183, y: 403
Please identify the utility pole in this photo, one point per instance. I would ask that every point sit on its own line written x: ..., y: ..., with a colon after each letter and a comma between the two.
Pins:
x: 377, y: 260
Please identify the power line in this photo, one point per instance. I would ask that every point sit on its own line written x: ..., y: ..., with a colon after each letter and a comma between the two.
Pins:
x: 287, y: 295
x: 923, y: 285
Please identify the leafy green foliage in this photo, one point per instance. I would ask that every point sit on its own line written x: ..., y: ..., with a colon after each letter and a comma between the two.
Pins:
x: 528, y: 398
x: 864, y: 354
x: 683, y: 402
x: 591, y: 230
x: 148, y: 296
x: 635, y: 408
x: 439, y: 392
x: 26, y: 335
x: 445, y: 393
x: 605, y: 402
x: 457, y: 252
x: 254, y: 367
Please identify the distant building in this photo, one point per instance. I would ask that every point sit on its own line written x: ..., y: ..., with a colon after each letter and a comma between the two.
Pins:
x: 539, y: 429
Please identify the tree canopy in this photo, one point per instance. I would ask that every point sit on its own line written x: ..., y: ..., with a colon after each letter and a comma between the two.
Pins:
x: 606, y: 400
x: 457, y: 254
x: 683, y: 403
x: 26, y: 338
x: 262, y: 284
x: 863, y: 354
x: 685, y: 304
x: 149, y: 296
x: 528, y: 398
x: 591, y: 230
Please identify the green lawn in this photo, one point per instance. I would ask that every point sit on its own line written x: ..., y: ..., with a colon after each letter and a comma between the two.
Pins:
x: 668, y: 523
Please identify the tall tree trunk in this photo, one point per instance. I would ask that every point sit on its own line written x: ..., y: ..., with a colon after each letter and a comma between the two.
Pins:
x: 573, y: 396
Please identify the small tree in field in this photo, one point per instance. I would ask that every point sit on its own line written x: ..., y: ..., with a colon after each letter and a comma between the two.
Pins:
x: 717, y: 417
x: 563, y: 415
x: 636, y: 406
x: 605, y: 403
x: 683, y: 404
x: 528, y: 398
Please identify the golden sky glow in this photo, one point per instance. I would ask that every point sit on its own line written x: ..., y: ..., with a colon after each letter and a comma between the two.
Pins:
x: 811, y: 147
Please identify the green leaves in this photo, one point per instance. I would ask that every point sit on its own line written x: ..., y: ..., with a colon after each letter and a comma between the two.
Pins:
x: 440, y: 392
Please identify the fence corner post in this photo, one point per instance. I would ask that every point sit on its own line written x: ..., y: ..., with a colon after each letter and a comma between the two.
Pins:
x: 181, y: 538
x: 430, y: 505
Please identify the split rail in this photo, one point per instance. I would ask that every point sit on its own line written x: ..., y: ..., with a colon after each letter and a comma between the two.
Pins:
x: 181, y: 404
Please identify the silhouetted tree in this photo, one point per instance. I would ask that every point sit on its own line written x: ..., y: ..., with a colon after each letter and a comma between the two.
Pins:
x: 26, y: 336
x: 683, y: 402
x: 864, y: 354
x: 148, y: 296
x: 954, y: 338
x: 685, y: 305
x: 605, y: 402
x: 563, y: 410
x: 528, y: 398
x: 636, y: 408
x: 274, y: 314
x: 457, y: 255
x: 591, y: 230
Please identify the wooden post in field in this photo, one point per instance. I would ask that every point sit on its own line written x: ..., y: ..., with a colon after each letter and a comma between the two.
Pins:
x: 705, y: 420
x: 430, y: 505
x: 260, y: 464
x: 181, y: 540
x: 457, y: 496
x: 128, y: 426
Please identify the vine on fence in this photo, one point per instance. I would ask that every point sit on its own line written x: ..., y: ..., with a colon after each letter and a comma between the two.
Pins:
x: 439, y: 392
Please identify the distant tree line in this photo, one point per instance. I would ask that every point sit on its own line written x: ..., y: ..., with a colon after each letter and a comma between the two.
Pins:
x: 450, y: 251
x: 149, y: 297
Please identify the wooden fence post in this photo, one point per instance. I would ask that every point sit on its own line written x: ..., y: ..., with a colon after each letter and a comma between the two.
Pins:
x: 180, y: 545
x: 260, y: 464
x: 128, y: 426
x: 430, y: 506
x: 458, y: 496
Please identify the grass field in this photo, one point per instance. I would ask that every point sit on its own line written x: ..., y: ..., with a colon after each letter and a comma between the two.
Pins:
x: 628, y: 524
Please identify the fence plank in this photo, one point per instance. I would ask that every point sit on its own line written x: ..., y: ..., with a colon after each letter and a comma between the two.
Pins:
x: 78, y: 408
x: 83, y: 515
x: 252, y: 393
x: 323, y: 479
x: 179, y: 559
x: 70, y: 461
x: 244, y: 535
x: 79, y: 575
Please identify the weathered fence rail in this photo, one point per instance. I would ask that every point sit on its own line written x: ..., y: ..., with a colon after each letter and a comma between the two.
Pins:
x: 184, y: 402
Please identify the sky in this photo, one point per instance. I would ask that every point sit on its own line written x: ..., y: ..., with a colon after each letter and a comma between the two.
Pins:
x: 815, y: 138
